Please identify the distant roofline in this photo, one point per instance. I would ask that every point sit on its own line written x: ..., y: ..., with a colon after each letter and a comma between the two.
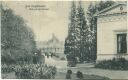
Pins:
x: 53, y: 38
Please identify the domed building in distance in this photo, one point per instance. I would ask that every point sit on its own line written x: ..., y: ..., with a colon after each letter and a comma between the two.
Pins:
x: 52, y: 48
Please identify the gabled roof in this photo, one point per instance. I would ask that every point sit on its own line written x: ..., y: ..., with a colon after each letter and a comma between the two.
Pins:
x: 53, y: 39
x: 109, y: 8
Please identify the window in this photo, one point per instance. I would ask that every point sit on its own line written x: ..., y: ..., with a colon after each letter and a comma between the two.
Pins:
x: 121, y: 43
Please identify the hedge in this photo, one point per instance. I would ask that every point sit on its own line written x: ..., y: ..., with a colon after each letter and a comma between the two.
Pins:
x: 114, y: 64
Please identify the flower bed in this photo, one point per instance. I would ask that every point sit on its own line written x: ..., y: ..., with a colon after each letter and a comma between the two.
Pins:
x: 33, y: 71
x: 30, y: 71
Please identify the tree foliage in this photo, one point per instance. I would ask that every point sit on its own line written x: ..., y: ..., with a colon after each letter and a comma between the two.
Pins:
x: 71, y: 38
x: 83, y: 32
x: 75, y: 43
x: 17, y: 39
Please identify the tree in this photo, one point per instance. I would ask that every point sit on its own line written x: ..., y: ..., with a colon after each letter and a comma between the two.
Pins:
x: 17, y: 39
x: 82, y: 33
x: 71, y: 38
x: 75, y: 44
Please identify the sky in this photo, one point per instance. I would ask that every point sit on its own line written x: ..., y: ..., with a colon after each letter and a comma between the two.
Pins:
x: 50, y: 17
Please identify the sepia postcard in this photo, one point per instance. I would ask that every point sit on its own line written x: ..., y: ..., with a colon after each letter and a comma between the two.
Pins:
x: 75, y: 40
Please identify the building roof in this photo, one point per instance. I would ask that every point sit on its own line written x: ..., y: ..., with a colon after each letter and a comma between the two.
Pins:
x: 53, y: 42
x: 102, y: 12
x: 53, y: 39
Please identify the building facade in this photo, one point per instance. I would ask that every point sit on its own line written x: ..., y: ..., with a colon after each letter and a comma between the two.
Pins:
x: 112, y: 40
x: 52, y: 47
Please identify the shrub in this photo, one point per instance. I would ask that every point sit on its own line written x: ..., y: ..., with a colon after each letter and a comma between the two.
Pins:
x: 79, y: 75
x: 115, y: 64
x: 35, y: 71
x: 7, y: 68
x: 68, y: 74
x: 72, y: 61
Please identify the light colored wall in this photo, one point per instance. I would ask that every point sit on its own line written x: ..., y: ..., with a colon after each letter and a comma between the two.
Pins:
x: 107, y: 28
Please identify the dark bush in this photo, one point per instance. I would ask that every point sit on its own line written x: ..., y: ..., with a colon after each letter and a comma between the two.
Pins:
x: 68, y: 74
x: 71, y: 61
x: 79, y: 75
x: 115, y: 64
